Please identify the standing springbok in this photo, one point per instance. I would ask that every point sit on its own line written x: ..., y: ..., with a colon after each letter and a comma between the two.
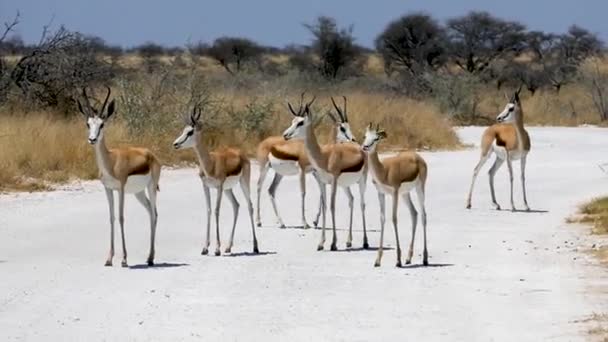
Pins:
x: 509, y: 140
x: 397, y: 175
x: 221, y: 169
x: 288, y: 158
x: 336, y: 164
x: 125, y: 170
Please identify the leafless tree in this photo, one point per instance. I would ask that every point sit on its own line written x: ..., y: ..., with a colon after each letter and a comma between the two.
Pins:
x: 335, y: 48
x: 413, y: 43
x: 233, y: 53
x: 478, y: 39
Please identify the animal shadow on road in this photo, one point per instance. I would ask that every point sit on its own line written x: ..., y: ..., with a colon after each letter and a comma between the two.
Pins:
x: 531, y: 211
x: 361, y: 249
x: 161, y: 265
x: 413, y: 266
x: 248, y: 254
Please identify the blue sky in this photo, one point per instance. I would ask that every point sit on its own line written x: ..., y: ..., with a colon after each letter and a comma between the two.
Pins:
x: 276, y: 22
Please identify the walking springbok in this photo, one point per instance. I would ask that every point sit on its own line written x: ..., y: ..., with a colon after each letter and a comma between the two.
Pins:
x: 336, y: 164
x: 125, y: 170
x: 397, y: 175
x: 221, y: 169
x: 509, y: 140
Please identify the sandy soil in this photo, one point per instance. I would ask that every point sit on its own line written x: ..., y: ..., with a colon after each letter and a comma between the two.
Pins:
x: 496, y: 275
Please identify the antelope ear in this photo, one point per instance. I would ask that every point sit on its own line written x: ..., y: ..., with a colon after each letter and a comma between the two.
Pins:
x: 369, y: 127
x: 81, y: 109
x: 111, y: 108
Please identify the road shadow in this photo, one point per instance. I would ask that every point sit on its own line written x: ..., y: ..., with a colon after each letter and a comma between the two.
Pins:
x: 361, y: 249
x: 248, y: 254
x: 161, y: 265
x: 531, y: 211
x: 413, y: 266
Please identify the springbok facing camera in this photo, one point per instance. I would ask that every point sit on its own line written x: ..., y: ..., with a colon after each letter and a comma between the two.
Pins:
x: 221, y: 169
x: 125, y: 170
x: 509, y: 140
x: 336, y: 164
x: 397, y: 175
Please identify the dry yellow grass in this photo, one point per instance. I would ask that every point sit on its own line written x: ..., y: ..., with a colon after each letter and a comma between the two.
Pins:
x: 38, y: 149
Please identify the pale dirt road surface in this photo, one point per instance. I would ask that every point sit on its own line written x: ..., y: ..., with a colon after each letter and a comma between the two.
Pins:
x: 498, y: 276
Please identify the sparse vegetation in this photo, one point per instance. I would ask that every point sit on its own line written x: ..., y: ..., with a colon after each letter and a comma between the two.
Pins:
x: 425, y: 76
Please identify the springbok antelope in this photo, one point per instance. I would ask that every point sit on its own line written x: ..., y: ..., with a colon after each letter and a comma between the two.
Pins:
x: 221, y: 169
x: 288, y: 158
x: 509, y: 140
x: 336, y: 164
x: 125, y: 170
x: 397, y: 175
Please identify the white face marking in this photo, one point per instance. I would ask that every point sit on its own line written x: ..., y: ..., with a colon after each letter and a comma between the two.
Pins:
x: 371, y: 140
x: 507, y: 115
x: 186, y: 139
x: 95, y: 125
x: 297, y: 128
x: 344, y: 133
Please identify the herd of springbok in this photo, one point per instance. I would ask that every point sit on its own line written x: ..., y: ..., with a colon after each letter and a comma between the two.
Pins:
x: 297, y: 152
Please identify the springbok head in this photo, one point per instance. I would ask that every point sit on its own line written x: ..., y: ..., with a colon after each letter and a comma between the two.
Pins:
x: 372, y: 137
x: 512, y: 110
x: 302, y: 119
x: 345, y: 134
x: 193, y: 127
x: 95, y: 117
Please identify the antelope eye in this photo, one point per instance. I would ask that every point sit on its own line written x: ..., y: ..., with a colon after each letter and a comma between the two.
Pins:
x: 300, y: 123
x: 190, y: 133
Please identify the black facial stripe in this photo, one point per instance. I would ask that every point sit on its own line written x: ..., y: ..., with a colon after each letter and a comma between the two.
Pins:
x: 190, y: 133
x: 343, y: 129
x: 300, y: 123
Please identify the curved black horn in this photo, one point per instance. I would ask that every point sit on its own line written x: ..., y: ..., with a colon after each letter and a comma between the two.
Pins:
x: 105, y: 102
x: 345, y: 111
x: 338, y: 109
x: 86, y: 99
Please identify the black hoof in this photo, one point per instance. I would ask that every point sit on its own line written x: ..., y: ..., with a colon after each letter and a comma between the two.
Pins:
x: 227, y: 250
x: 320, y: 247
x: 468, y: 206
x: 256, y: 250
x: 365, y: 245
x: 425, y: 262
x: 205, y: 251
x: 349, y: 244
x: 150, y: 262
x: 398, y: 264
x: 334, y: 247
x: 108, y: 263
x: 218, y: 253
x: 124, y: 264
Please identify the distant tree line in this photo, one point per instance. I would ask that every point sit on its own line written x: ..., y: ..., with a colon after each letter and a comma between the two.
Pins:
x: 420, y: 55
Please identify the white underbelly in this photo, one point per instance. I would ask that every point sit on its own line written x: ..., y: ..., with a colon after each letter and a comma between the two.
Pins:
x: 501, y: 153
x: 344, y: 180
x: 284, y: 167
x: 135, y: 183
x: 403, y: 189
x: 229, y: 183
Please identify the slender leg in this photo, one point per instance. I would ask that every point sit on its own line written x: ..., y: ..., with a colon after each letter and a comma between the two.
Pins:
x: 272, y: 191
x: 110, y: 196
x: 395, y: 208
x: 235, y: 214
x: 475, y: 172
x: 218, y: 202
x: 208, y: 207
x: 141, y: 198
x: 523, y: 181
x: 321, y: 185
x: 121, y: 220
x: 263, y: 171
x: 497, y: 164
x: 334, y: 238
x: 154, y: 222
x: 381, y: 202
x: 303, y: 197
x: 246, y: 193
x: 414, y: 217
x: 324, y: 211
x: 351, y: 200
x: 362, y: 186
x: 510, y: 167
x: 422, y: 207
